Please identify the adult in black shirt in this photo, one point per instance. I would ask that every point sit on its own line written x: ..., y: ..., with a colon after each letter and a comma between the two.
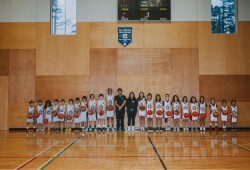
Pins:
x: 120, y: 102
x: 131, y: 105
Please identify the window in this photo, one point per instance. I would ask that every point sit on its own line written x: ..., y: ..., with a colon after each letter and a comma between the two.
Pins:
x: 63, y: 17
x: 224, y: 18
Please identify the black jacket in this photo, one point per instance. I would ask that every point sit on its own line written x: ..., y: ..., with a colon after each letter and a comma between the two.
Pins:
x: 131, y: 105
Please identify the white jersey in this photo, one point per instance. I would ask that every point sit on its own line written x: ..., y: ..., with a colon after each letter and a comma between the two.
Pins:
x: 31, y: 110
x: 83, y: 115
x: 223, y: 117
x: 202, y: 108
x: 101, y: 104
x: 48, y: 110
x: 48, y: 113
x: 213, y: 109
x: 150, y: 106
x: 77, y: 107
x: 55, y: 108
x: 194, y: 107
x: 184, y: 107
x: 70, y: 109
x: 176, y: 106
x: 142, y: 103
x: 39, y: 109
x: 167, y: 106
x: 234, y: 110
x: 110, y: 100
x: 62, y: 109
x: 92, y: 104
x: 158, y: 106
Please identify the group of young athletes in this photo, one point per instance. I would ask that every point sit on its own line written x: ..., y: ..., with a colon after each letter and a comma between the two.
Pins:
x: 91, y: 115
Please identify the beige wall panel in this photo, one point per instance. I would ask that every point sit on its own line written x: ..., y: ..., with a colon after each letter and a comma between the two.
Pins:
x: 51, y: 87
x: 144, y: 62
x: 185, y: 72
x: 224, y: 54
x: 225, y: 87
x: 17, y: 35
x: 171, y: 35
x: 4, y: 62
x: 17, y: 115
x: 103, y: 70
x: 4, y: 102
x: 22, y: 74
x: 63, y: 55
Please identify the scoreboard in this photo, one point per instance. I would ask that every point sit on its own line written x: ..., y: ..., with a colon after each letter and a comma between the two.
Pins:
x: 144, y: 10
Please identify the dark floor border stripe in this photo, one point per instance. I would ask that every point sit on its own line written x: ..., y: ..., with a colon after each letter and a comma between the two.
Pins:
x: 43, y: 166
x: 159, y: 157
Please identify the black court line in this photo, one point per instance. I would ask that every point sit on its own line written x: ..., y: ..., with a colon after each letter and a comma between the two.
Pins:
x: 159, y: 157
x: 240, y: 146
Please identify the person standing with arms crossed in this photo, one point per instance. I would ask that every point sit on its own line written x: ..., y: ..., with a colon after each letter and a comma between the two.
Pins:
x: 120, y: 101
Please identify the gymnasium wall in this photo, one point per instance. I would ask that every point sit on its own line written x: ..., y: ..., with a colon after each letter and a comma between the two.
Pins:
x: 180, y: 57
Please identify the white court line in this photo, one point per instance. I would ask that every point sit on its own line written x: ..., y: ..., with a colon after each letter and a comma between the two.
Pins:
x: 35, y: 156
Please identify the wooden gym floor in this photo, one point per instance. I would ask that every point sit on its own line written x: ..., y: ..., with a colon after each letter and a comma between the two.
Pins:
x: 120, y: 150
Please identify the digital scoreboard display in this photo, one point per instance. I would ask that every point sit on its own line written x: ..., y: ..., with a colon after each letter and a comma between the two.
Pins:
x: 144, y: 10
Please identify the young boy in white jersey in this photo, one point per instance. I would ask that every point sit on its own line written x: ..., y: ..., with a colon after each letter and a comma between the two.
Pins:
x: 101, y: 110
x: 55, y: 110
x: 110, y: 110
x: 213, y: 114
x: 39, y: 119
x: 234, y: 115
x: 83, y: 115
x: 224, y: 113
x: 185, y: 113
x: 167, y: 111
x: 202, y: 116
x: 30, y: 117
x: 69, y: 115
x: 92, y: 112
x: 61, y: 115
x: 77, y: 118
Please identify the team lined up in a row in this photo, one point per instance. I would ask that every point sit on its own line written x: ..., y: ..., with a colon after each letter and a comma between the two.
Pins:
x: 85, y: 113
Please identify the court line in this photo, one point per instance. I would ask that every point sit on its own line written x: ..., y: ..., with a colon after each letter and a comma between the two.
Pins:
x: 58, y: 154
x: 243, y: 147
x: 159, y: 157
x: 33, y: 158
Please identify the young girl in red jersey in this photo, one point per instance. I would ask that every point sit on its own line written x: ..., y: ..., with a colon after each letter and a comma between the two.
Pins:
x: 176, y: 106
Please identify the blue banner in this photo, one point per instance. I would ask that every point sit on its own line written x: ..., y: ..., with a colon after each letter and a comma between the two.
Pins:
x: 125, y: 35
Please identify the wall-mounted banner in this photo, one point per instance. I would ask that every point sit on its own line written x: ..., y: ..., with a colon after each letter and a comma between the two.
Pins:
x: 125, y: 35
x: 224, y: 16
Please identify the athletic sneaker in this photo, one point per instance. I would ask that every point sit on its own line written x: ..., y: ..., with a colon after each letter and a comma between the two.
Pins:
x: 107, y: 129
x: 95, y: 129
x: 200, y: 128
x: 174, y: 129
x: 178, y: 129
x: 204, y: 128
